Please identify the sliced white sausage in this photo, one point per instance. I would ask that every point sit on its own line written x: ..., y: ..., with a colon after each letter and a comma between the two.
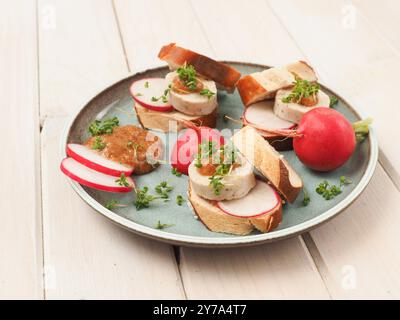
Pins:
x: 236, y: 184
x: 293, y: 111
x: 193, y: 103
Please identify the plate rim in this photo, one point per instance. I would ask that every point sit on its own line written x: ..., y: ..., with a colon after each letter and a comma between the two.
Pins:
x: 211, y: 242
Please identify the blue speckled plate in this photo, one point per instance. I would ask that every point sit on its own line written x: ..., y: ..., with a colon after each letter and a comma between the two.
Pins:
x: 116, y: 101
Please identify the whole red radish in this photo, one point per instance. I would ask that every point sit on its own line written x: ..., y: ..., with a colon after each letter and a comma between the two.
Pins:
x: 186, y: 146
x: 325, y: 140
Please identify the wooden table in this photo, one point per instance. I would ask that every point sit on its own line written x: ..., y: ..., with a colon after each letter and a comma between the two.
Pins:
x: 57, y: 54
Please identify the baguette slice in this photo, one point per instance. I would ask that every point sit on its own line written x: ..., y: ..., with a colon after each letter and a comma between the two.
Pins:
x: 269, y: 162
x: 218, y: 221
x: 264, y: 85
x: 161, y: 121
x: 225, y: 76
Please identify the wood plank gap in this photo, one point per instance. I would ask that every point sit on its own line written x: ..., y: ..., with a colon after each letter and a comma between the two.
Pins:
x: 278, y: 18
x: 120, y: 35
x: 177, y: 254
x: 317, y: 259
x: 38, y: 157
x: 389, y: 170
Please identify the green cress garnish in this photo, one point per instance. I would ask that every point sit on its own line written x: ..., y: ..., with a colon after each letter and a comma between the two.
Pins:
x: 302, y: 89
x: 122, y: 180
x: 333, y: 101
x: 206, y: 92
x: 175, y: 172
x: 188, y: 75
x: 179, y: 200
x: 328, y: 191
x: 161, y: 226
x: 98, y: 144
x: 106, y: 126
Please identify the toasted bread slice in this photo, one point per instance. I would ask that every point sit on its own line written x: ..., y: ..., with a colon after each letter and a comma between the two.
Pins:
x: 269, y: 162
x: 163, y: 121
x: 218, y: 221
x: 264, y: 85
x: 225, y: 76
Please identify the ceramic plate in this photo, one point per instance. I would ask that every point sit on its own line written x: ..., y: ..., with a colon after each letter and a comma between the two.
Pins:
x: 187, y: 230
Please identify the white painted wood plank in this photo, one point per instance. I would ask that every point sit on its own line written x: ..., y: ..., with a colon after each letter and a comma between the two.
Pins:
x: 80, y: 53
x: 246, y: 32
x: 384, y: 16
x: 281, y: 270
x: 20, y: 228
x: 87, y: 257
x: 160, y: 22
x: 203, y: 270
x: 364, y: 239
x: 361, y: 247
x: 352, y: 58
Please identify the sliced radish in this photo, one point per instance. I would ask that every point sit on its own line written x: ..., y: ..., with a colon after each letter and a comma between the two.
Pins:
x: 143, y: 91
x: 92, y: 178
x: 262, y: 114
x: 259, y: 201
x: 95, y: 161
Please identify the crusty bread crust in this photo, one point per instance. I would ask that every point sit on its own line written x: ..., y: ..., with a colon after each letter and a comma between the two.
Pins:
x: 161, y: 121
x: 249, y: 90
x: 225, y: 76
x: 218, y: 221
x: 269, y: 162
x: 264, y: 85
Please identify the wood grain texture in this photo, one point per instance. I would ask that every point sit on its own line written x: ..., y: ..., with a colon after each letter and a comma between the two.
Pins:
x: 245, y: 32
x: 87, y: 257
x: 80, y: 53
x: 364, y: 239
x: 159, y: 23
x: 281, y: 270
x: 361, y: 247
x: 383, y: 16
x: 20, y: 228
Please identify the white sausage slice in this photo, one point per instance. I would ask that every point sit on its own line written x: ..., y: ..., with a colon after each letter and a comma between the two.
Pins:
x: 193, y: 103
x: 236, y: 184
x: 293, y: 111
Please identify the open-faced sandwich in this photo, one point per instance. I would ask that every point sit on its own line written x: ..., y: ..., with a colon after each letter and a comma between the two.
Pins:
x: 188, y: 92
x: 227, y: 196
x: 277, y: 98
x: 110, y: 156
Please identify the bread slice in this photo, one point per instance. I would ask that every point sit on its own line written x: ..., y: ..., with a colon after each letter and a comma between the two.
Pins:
x: 218, y: 221
x: 161, y: 121
x: 225, y: 76
x: 264, y: 85
x: 269, y: 162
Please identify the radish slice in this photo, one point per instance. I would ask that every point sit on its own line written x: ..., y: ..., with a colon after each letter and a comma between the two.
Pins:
x: 143, y: 91
x: 259, y: 201
x: 262, y: 114
x: 95, y: 161
x: 93, y: 179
